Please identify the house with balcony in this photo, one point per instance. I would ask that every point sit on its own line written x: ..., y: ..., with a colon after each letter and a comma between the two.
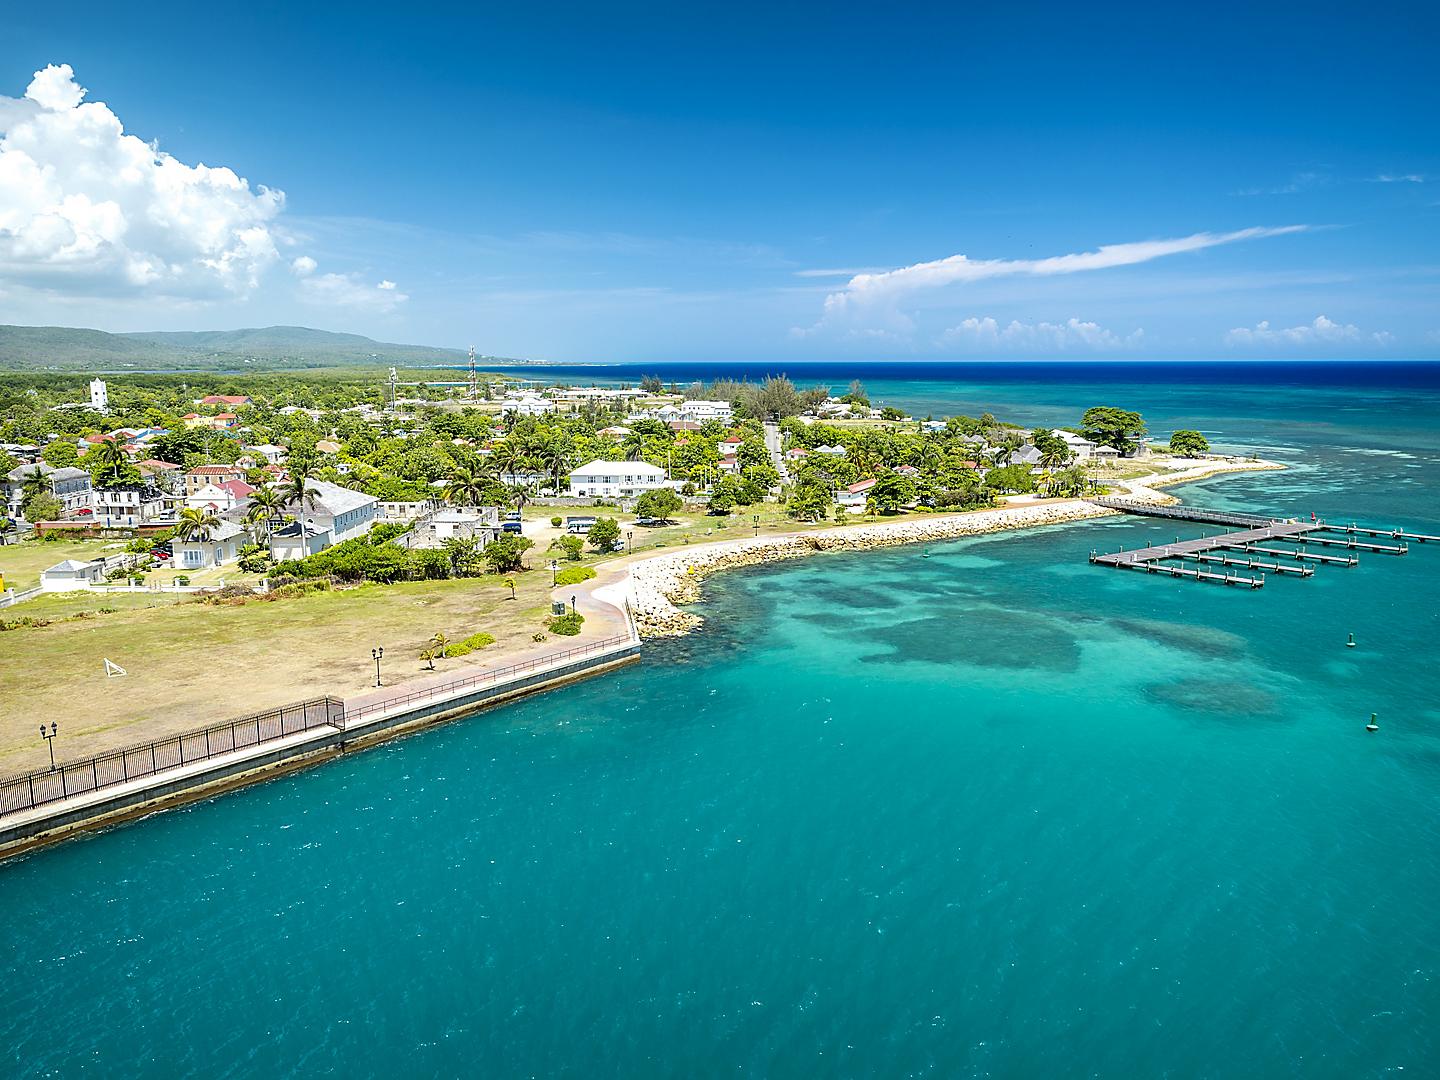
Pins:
x: 615, y: 479
x: 128, y: 505
x: 70, y: 485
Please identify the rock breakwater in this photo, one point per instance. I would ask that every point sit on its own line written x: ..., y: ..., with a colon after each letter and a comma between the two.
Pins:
x: 658, y: 584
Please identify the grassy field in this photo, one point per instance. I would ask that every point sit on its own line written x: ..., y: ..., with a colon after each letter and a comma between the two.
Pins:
x: 191, y: 663
x: 21, y: 563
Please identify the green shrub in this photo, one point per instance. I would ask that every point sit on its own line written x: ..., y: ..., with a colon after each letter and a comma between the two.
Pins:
x: 557, y: 521
x: 288, y: 592
x: 566, y: 625
x: 573, y: 575
x: 470, y: 644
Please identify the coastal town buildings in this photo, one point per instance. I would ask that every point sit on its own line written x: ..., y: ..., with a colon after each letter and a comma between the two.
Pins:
x: 128, y: 505
x: 615, y: 479
x: 72, y: 574
x: 220, y: 545
x: 334, y: 515
x: 205, y: 475
x: 70, y: 485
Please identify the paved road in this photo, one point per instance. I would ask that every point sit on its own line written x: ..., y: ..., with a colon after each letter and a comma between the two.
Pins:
x: 774, y: 443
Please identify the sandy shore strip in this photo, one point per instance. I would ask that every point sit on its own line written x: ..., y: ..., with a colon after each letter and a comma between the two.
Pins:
x: 657, y: 584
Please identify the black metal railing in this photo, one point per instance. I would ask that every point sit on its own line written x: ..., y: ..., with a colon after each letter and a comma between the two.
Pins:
x: 25, y: 792
x: 452, y: 688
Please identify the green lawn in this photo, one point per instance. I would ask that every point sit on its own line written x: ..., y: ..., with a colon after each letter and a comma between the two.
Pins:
x: 21, y: 563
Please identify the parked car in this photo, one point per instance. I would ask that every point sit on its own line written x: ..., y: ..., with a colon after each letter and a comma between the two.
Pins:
x: 510, y: 526
x: 512, y: 515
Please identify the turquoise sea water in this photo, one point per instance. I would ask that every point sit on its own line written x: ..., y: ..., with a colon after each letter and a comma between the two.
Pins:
x: 994, y: 812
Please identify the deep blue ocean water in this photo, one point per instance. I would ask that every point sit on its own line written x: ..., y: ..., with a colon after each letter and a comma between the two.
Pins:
x: 994, y: 812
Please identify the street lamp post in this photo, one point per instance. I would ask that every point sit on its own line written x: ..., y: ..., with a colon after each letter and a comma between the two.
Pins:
x: 554, y: 573
x: 375, y: 654
x: 572, y: 605
x: 49, y: 737
x: 629, y: 541
x: 757, y: 524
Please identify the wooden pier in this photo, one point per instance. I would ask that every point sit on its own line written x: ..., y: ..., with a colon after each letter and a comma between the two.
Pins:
x: 1250, y: 536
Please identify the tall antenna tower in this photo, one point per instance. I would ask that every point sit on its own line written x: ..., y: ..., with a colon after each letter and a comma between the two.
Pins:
x: 474, y: 390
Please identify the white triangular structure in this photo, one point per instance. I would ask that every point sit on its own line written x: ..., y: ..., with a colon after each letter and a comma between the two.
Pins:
x: 113, y: 669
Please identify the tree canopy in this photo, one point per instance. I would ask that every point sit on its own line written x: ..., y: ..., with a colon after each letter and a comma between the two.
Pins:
x: 1111, y: 426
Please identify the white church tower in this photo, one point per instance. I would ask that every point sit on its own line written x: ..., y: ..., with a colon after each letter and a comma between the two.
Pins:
x: 99, y: 396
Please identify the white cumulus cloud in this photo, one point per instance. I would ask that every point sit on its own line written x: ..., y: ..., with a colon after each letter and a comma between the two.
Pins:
x: 874, y: 296
x: 1323, y: 331
x: 1042, y: 336
x: 87, y: 209
x: 303, y: 266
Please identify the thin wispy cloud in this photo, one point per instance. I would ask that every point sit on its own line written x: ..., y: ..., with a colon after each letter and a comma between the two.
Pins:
x: 837, y: 272
x: 1398, y: 178
x: 1301, y: 181
x: 873, y: 297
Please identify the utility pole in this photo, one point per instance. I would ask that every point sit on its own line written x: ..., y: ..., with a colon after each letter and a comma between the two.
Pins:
x: 474, y: 390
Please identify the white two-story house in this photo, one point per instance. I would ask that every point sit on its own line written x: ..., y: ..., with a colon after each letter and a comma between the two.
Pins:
x: 615, y: 479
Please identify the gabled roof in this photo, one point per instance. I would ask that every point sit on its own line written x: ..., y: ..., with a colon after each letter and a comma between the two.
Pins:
x: 861, y: 485
x: 70, y: 566
x: 215, y: 470
x: 225, y: 530
x: 334, y: 499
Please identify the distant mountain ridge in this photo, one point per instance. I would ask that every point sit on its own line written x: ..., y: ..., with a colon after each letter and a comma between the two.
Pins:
x: 64, y: 348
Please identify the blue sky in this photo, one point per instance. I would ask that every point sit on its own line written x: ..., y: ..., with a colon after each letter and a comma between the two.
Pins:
x: 746, y: 182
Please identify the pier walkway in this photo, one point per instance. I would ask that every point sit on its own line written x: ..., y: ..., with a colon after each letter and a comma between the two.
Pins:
x: 1250, y: 535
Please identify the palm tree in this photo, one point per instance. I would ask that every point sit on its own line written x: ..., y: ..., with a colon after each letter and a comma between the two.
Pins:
x: 555, y: 457
x: 1055, y: 456
x: 633, y: 447
x: 196, y: 524
x: 34, y: 483
x: 109, y: 454
x: 522, y: 492
x: 438, y: 644
x: 297, y: 492
x: 465, y: 488
x: 265, y: 507
x: 509, y: 583
x: 509, y: 456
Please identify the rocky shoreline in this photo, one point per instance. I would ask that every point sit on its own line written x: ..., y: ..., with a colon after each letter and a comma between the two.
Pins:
x: 658, y: 584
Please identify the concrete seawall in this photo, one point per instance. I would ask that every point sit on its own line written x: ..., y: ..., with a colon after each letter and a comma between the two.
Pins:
x: 63, y: 818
